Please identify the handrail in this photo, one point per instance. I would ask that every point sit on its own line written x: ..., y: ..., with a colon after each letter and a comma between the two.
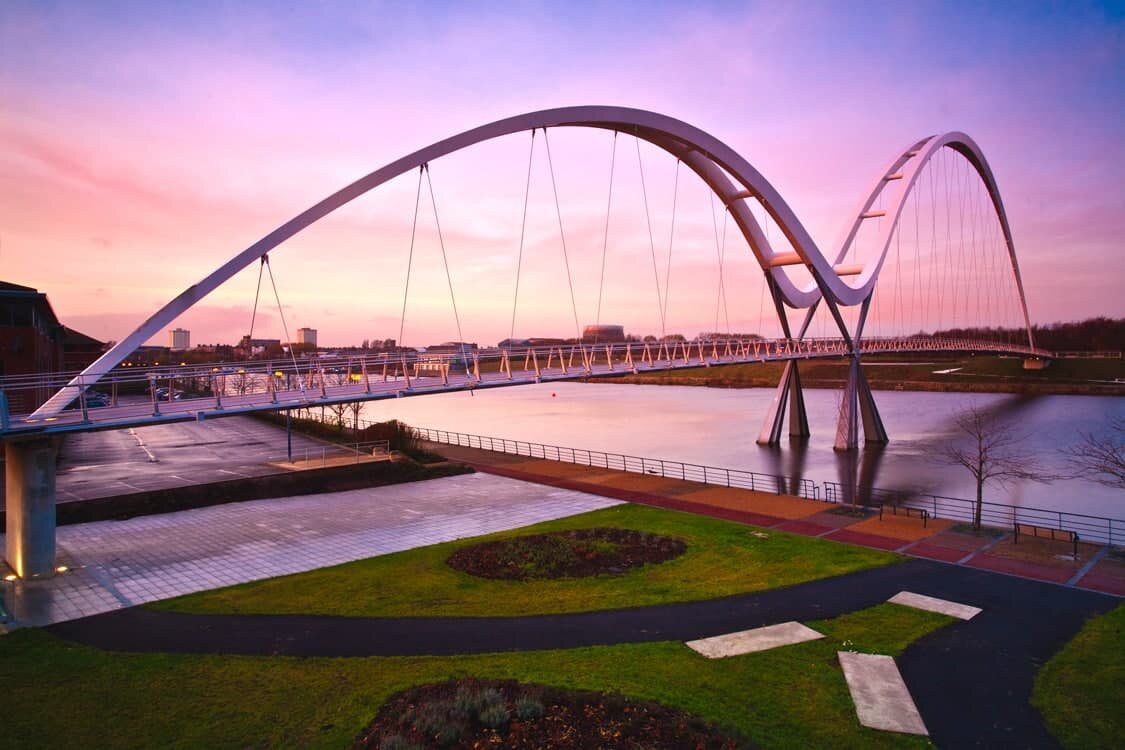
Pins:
x: 751, y: 480
x: 1003, y: 515
x: 1091, y: 528
x: 262, y: 384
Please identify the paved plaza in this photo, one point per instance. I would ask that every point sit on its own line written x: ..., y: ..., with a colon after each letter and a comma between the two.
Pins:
x: 122, y: 462
x: 115, y: 564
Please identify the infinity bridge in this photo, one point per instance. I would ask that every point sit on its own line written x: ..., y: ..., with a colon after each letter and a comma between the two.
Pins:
x: 932, y: 226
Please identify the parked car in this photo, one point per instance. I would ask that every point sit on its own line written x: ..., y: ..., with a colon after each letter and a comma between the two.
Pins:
x: 94, y: 399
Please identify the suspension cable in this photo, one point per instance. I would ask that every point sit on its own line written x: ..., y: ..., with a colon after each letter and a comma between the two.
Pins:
x: 605, y: 236
x: 671, y: 235
x: 720, y: 251
x: 445, y: 261
x: 562, y: 234
x: 410, y: 260
x: 257, y: 291
x: 284, y: 327
x: 523, y: 229
x: 651, y: 243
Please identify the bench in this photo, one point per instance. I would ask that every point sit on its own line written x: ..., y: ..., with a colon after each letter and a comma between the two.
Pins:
x: 908, y: 511
x: 1046, y: 532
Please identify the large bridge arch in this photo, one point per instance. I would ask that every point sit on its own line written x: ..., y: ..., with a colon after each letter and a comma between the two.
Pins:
x: 728, y: 174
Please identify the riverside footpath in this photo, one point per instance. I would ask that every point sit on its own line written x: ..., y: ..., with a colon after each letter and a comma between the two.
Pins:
x: 1096, y: 567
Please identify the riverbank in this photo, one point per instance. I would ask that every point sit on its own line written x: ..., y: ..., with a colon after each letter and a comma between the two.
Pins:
x: 972, y: 374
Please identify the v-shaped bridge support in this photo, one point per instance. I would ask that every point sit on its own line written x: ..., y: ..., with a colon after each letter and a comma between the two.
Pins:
x: 857, y: 404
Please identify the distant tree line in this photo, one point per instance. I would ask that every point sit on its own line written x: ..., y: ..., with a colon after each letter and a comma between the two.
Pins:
x: 1093, y: 334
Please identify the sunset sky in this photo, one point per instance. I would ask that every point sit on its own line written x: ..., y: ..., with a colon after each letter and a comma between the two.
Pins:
x: 142, y: 144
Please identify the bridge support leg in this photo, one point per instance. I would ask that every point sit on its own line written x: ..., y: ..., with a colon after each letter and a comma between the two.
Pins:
x: 30, y: 523
x: 858, y: 405
x: 789, y: 393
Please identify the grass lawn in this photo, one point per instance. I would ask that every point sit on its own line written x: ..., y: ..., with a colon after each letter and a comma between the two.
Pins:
x: 1080, y: 691
x: 65, y: 695
x: 722, y: 559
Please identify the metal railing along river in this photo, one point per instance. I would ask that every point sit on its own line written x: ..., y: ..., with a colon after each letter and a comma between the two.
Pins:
x: 1002, y: 515
x: 1090, y: 528
x: 749, y: 480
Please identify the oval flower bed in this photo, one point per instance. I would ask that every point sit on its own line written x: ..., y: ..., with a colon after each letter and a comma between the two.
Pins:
x: 567, y: 554
x: 508, y: 714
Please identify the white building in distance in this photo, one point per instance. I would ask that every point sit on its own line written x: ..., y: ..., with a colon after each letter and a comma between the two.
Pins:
x: 179, y: 339
x: 306, y: 336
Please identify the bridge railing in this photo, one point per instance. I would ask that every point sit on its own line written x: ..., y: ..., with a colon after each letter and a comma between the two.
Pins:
x: 750, y: 480
x: 257, y: 384
x: 1089, y: 528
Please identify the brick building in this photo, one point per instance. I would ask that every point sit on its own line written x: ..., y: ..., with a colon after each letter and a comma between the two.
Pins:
x: 31, y: 342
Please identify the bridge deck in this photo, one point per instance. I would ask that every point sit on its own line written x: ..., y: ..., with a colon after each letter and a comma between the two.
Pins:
x: 313, y: 389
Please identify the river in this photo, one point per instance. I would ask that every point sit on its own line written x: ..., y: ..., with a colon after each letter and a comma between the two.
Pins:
x: 718, y: 427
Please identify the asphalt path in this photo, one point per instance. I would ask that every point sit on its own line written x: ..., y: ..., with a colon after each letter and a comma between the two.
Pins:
x: 971, y: 680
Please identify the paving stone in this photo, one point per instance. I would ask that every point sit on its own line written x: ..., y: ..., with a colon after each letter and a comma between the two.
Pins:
x: 751, y: 641
x: 933, y: 604
x: 882, y: 700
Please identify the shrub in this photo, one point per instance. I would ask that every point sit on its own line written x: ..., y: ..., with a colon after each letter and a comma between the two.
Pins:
x: 396, y: 742
x: 494, y: 716
x: 528, y: 708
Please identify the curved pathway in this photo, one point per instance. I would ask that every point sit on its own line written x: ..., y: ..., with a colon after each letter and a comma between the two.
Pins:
x: 971, y: 680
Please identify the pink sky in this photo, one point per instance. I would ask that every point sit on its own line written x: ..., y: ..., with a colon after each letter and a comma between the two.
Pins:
x: 141, y: 148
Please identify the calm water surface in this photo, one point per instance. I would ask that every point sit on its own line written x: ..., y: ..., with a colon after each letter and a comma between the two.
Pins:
x: 718, y: 427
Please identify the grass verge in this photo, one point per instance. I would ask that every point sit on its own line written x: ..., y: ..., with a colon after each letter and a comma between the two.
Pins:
x: 75, y: 696
x: 722, y: 559
x: 1079, y: 691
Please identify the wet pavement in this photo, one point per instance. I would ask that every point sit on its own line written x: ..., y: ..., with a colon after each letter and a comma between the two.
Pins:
x: 115, y: 564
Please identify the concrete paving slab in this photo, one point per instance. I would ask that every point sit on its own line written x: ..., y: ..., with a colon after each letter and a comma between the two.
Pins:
x: 933, y: 604
x: 752, y: 641
x: 881, y: 698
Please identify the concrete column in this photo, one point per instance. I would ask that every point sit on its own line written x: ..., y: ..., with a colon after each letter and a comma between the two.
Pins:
x: 30, y: 487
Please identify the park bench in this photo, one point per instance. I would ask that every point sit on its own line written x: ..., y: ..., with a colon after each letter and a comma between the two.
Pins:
x: 1046, y: 532
x: 908, y: 511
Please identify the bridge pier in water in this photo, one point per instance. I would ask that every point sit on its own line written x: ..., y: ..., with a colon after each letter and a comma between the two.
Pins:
x: 789, y: 393
x: 30, y: 467
x: 858, y: 404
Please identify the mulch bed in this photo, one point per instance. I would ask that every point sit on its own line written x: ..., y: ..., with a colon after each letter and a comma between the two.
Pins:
x: 478, y: 714
x: 569, y: 554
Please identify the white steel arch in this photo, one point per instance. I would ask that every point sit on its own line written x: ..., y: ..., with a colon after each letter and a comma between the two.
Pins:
x: 732, y: 178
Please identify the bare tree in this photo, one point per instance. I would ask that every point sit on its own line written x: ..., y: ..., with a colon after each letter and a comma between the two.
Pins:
x: 1101, y: 458
x: 991, y: 451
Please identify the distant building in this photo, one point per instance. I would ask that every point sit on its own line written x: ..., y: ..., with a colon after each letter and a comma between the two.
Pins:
x: 540, y: 341
x: 248, y: 347
x: 80, y: 350
x: 31, y: 343
x: 179, y: 339
x: 451, y: 347
x: 306, y: 336
x: 603, y: 334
